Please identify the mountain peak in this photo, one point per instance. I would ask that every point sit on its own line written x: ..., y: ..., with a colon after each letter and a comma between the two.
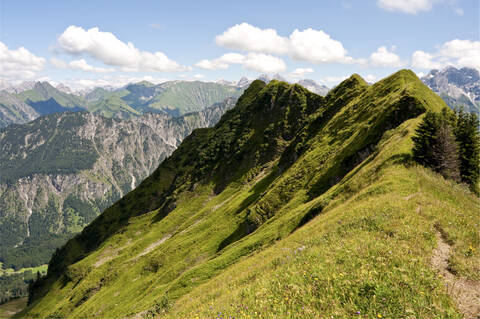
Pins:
x: 145, y: 83
x: 353, y: 84
x: 65, y: 89
x: 457, y: 87
x: 43, y: 85
x: 267, y: 78
x: 244, y: 81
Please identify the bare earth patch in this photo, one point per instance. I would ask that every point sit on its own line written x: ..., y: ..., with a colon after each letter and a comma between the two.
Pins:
x: 110, y: 254
x: 154, y: 245
x: 466, y: 293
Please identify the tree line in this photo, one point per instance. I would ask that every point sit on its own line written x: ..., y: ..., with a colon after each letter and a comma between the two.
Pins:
x: 449, y: 143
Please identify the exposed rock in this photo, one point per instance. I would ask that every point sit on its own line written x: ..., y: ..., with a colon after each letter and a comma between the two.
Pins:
x: 457, y: 87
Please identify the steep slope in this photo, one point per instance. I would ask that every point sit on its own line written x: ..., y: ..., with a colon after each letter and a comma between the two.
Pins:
x: 251, y: 216
x: 174, y: 98
x: 114, y: 107
x: 60, y: 171
x: 46, y: 99
x: 180, y: 97
x: 14, y: 111
x: 457, y: 87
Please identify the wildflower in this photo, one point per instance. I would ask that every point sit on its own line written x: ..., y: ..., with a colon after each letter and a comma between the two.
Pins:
x: 379, y: 316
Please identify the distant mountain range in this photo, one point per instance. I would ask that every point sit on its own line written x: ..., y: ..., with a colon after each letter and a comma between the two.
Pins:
x: 457, y: 87
x: 22, y: 103
x: 28, y: 100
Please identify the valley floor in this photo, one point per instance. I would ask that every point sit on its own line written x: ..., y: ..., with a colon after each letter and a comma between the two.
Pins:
x: 7, y: 310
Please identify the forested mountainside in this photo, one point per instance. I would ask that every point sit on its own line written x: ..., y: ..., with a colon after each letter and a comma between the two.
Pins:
x: 293, y: 205
x: 60, y: 171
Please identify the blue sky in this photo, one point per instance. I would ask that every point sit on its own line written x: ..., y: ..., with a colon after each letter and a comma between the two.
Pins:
x: 85, y: 43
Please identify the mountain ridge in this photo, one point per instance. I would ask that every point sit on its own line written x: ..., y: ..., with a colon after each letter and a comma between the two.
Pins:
x: 134, y: 99
x: 64, y: 169
x: 194, y: 217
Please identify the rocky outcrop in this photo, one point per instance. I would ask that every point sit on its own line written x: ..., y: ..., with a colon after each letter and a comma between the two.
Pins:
x: 457, y: 87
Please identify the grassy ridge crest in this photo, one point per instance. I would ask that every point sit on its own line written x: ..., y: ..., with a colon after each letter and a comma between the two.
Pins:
x: 319, y: 184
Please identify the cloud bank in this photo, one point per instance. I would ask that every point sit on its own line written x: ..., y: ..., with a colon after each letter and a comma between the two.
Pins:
x: 19, y: 64
x: 107, y: 48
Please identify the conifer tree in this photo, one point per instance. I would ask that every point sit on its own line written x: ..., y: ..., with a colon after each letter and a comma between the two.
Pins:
x: 445, y: 153
x: 425, y: 138
x: 468, y: 139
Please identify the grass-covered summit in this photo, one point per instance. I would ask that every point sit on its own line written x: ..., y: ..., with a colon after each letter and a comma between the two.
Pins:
x: 294, y: 205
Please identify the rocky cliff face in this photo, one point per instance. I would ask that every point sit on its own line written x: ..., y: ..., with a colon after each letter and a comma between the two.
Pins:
x: 314, y: 87
x: 457, y: 87
x: 60, y: 171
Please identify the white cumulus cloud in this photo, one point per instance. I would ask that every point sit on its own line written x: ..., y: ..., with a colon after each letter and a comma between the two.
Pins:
x: 222, y: 62
x: 84, y: 66
x: 407, y: 6
x: 317, y: 47
x: 385, y: 58
x: 457, y: 53
x: 264, y: 63
x: 259, y: 62
x: 107, y: 48
x: 309, y: 45
x: 370, y: 78
x: 462, y: 52
x: 301, y: 72
x: 424, y: 60
x: 80, y: 64
x: 19, y: 64
x: 247, y: 37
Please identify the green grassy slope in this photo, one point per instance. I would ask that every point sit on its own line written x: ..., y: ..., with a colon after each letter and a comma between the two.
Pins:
x: 177, y: 98
x: 113, y: 106
x: 293, y: 205
x: 44, y: 91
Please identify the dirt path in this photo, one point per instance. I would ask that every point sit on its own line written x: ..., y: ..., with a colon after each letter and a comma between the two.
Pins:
x: 466, y: 293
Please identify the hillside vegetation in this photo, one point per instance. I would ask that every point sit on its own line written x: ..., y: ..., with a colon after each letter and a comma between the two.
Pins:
x: 293, y: 206
x: 62, y: 170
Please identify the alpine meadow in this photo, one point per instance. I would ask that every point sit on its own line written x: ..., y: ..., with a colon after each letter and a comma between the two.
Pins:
x: 240, y: 160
